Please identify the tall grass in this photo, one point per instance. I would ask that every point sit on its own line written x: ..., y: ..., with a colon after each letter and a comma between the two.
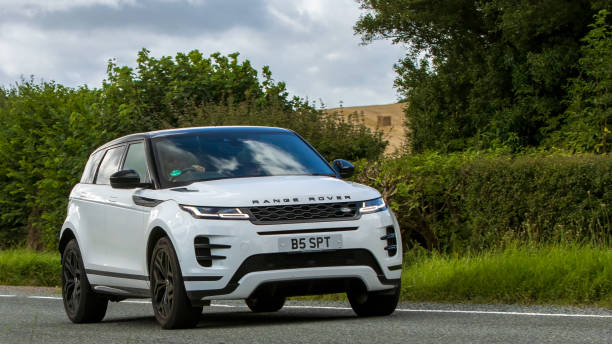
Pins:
x: 561, y: 274
x: 517, y: 274
x: 25, y: 267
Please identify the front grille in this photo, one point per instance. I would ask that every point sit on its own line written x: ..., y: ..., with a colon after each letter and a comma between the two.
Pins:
x: 304, y: 212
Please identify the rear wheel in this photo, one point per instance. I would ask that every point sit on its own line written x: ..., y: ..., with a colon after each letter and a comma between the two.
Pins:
x: 374, y: 303
x: 265, y: 304
x: 82, y: 305
x: 170, y: 302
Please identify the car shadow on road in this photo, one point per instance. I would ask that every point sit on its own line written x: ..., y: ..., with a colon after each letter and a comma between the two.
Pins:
x: 237, y: 319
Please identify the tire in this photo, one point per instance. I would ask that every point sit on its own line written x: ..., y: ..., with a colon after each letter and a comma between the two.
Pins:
x: 265, y: 304
x: 373, y: 304
x: 81, y: 303
x: 170, y: 302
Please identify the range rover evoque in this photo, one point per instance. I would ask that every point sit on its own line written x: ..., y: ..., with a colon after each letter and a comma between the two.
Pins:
x: 186, y: 216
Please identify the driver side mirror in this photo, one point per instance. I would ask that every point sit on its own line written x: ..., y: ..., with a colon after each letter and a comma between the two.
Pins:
x: 126, y: 179
x: 343, y: 168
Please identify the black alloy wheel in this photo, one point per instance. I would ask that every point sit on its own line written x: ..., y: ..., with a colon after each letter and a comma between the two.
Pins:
x: 170, y: 302
x: 162, y: 282
x: 81, y: 303
x: 371, y: 304
x: 71, y: 281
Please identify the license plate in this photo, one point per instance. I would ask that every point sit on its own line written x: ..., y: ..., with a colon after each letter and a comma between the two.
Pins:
x: 310, y: 243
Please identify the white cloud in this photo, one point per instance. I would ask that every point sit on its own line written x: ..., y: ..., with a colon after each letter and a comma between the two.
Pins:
x: 34, y: 7
x: 309, y: 44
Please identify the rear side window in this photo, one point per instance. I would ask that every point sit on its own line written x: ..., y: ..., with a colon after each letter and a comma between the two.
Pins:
x: 110, y: 164
x: 92, y: 166
x: 136, y: 160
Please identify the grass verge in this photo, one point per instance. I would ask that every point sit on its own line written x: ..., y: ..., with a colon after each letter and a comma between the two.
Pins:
x: 563, y: 275
x: 23, y: 267
x: 548, y: 275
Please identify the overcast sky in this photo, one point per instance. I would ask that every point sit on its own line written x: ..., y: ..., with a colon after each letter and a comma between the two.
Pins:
x: 309, y: 44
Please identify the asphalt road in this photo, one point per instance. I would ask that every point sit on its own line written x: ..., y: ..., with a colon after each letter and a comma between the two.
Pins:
x: 33, y: 316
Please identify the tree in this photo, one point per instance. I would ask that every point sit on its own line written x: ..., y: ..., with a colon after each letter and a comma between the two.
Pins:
x: 191, y: 90
x: 481, y: 73
x: 585, y: 125
x: 49, y: 130
x: 159, y: 89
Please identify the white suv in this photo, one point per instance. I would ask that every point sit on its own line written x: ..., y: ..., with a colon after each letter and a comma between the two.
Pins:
x: 186, y: 216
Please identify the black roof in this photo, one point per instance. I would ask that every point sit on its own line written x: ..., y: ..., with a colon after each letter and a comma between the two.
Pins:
x: 183, y: 131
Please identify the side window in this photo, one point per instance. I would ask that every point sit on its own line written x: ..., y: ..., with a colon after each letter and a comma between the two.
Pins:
x: 90, y: 169
x: 136, y: 159
x: 110, y: 164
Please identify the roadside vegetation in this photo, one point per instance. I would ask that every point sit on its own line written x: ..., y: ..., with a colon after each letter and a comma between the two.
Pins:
x: 470, y: 202
x: 504, y: 190
x: 49, y: 130
x: 553, y: 274
x: 30, y: 268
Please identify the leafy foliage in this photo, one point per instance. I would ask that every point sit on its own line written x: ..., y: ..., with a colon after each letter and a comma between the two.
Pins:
x: 486, y: 73
x: 191, y: 90
x: 50, y: 130
x: 476, y: 201
x: 586, y: 124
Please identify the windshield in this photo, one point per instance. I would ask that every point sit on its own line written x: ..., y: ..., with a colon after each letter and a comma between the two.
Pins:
x: 186, y: 158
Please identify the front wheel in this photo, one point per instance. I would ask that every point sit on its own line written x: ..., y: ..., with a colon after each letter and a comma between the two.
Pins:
x: 374, y: 303
x: 82, y: 305
x: 265, y: 304
x: 170, y: 302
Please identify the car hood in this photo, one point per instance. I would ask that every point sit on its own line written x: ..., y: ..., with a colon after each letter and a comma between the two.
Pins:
x: 262, y: 191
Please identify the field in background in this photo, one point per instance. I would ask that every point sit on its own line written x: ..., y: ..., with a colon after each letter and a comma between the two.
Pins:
x: 389, y: 118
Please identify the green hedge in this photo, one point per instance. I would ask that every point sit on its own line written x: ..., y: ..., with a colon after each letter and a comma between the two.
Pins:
x: 473, y: 201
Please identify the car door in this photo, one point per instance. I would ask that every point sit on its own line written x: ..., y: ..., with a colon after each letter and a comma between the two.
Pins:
x: 97, y: 250
x: 126, y: 220
x: 87, y: 201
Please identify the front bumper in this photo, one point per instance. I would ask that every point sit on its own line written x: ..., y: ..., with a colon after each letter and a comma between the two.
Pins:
x: 253, y: 260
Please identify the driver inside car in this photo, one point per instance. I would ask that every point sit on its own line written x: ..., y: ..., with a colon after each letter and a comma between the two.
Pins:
x: 178, y: 162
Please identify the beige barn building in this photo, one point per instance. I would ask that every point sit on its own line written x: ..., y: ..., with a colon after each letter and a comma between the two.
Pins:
x: 389, y: 118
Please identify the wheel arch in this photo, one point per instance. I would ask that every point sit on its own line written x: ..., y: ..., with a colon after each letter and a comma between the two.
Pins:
x: 67, y: 235
x: 155, y: 234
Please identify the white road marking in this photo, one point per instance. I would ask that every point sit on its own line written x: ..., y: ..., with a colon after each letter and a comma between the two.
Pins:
x: 45, y: 297
x: 604, y: 316
x: 136, y: 301
x: 318, y: 307
x: 226, y: 306
x: 447, y: 311
x: 507, y: 313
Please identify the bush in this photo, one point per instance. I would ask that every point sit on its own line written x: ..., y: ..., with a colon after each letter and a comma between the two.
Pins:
x: 474, y: 201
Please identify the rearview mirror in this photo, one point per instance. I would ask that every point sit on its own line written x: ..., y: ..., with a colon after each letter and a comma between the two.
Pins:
x: 126, y: 179
x: 343, y: 168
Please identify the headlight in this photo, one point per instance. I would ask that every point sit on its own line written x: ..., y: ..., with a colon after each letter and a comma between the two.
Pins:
x: 373, y: 206
x: 215, y: 212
